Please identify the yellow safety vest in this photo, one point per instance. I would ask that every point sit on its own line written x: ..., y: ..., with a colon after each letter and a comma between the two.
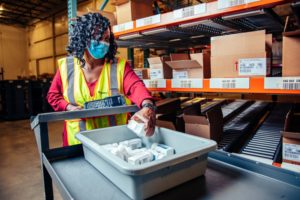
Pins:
x: 76, y: 92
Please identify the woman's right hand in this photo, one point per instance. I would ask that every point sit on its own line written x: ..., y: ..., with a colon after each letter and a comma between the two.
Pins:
x: 71, y: 107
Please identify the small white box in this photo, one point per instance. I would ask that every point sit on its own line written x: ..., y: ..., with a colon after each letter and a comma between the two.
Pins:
x: 137, y: 127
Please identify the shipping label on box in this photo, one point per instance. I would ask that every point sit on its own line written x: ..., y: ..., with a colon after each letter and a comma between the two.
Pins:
x: 252, y: 66
x: 156, y: 74
x: 180, y: 74
x: 291, y: 152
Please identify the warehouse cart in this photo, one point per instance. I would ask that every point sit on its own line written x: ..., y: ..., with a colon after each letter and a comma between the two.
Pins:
x: 227, y: 176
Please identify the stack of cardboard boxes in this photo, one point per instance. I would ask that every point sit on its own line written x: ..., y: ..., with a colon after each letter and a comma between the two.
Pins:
x: 231, y: 56
x: 159, y: 69
x: 178, y: 66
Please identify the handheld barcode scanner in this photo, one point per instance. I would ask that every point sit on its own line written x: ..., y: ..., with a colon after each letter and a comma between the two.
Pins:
x: 108, y: 102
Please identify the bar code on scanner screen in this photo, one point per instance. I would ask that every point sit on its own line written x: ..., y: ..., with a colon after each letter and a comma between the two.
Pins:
x: 291, y: 84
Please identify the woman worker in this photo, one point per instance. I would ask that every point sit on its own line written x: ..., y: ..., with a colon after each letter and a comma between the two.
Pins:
x: 92, y: 72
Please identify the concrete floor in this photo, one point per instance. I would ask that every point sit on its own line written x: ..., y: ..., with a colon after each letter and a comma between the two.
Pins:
x: 20, y: 174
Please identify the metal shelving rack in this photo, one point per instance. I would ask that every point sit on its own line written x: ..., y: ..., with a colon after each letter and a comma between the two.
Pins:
x: 212, y: 12
x: 211, y: 22
x: 228, y: 176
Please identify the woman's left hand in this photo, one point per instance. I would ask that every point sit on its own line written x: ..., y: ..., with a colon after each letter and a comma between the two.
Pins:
x: 148, y: 116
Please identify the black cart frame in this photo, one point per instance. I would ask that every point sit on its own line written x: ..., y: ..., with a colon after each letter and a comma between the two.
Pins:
x: 227, y: 176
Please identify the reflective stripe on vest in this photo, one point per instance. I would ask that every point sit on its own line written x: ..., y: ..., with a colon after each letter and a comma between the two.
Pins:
x: 76, y: 92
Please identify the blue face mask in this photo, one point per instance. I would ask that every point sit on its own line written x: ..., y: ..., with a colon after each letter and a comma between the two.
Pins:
x: 98, y: 49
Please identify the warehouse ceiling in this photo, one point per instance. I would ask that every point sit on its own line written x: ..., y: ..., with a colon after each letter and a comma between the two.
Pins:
x: 24, y: 12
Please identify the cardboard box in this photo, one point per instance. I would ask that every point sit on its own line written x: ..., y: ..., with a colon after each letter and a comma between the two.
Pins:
x: 291, y: 147
x: 179, y: 56
x: 184, y: 99
x: 204, y: 60
x: 209, y: 126
x: 241, y: 55
x: 142, y: 73
x: 209, y: 105
x: 184, y: 68
x: 167, y: 106
x: 193, y: 106
x: 166, y: 121
x: 167, y: 110
x: 133, y: 10
x: 291, y: 139
x: 165, y: 124
x: 253, y: 96
x: 159, y: 69
x: 109, y: 15
x: 228, y: 66
x: 170, y: 121
x: 290, y: 54
x: 241, y: 43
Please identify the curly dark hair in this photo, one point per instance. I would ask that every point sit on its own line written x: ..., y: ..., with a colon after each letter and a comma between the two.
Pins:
x: 90, y: 26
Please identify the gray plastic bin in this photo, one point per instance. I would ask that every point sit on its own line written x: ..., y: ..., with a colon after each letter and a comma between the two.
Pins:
x: 143, y: 181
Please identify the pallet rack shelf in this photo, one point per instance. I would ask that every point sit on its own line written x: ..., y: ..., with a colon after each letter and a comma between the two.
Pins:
x: 211, y: 10
x: 160, y: 33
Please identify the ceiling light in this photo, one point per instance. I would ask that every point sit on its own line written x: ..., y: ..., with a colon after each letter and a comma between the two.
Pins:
x: 2, y: 7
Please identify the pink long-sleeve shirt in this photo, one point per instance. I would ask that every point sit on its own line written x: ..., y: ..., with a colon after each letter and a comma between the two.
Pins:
x: 133, y: 87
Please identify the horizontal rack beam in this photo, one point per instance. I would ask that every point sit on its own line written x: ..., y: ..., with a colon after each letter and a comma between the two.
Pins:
x: 256, y: 85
